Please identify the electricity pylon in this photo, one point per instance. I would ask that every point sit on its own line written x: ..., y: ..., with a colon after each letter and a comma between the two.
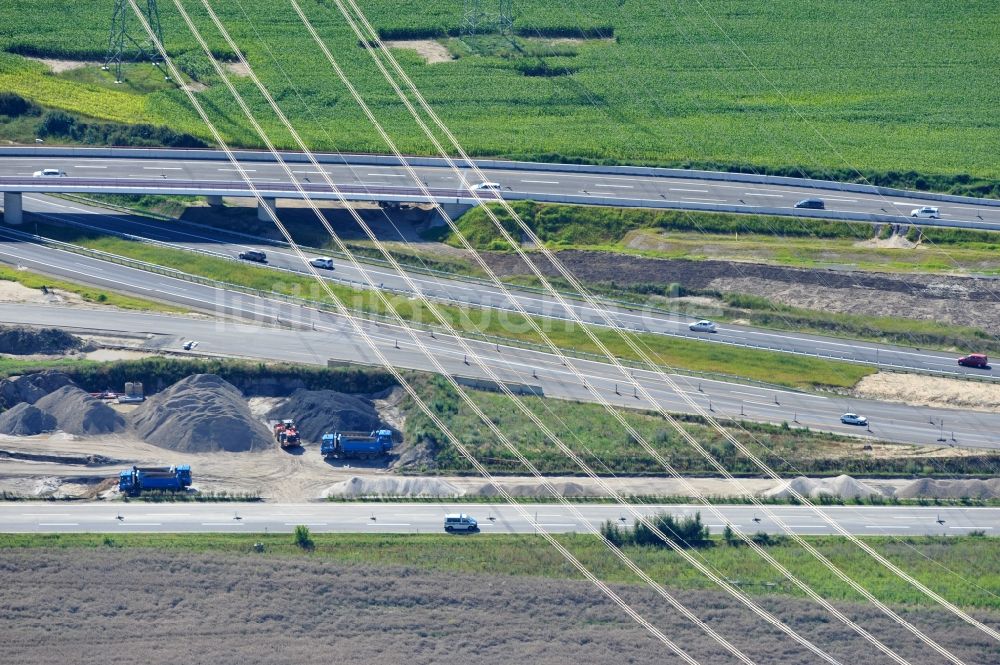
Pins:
x: 505, y: 20
x: 119, y: 38
x: 474, y: 19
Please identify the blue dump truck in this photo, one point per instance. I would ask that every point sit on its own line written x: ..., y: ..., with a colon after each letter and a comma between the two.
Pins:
x: 141, y: 478
x: 361, y: 445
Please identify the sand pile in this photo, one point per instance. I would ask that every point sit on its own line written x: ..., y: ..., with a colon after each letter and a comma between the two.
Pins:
x: 31, y: 387
x: 317, y: 412
x: 566, y: 488
x: 931, y: 391
x: 392, y: 486
x: 76, y: 412
x: 26, y: 420
x: 843, y: 487
x: 201, y: 413
x: 19, y: 340
x: 951, y: 489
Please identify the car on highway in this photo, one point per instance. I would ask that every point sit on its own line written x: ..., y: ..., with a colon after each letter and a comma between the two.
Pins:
x: 322, y: 262
x: 853, y: 419
x: 926, y: 212
x: 49, y: 173
x: 460, y: 522
x: 975, y: 360
x: 189, y: 345
x: 703, y: 326
x: 487, y: 186
x: 253, y: 255
x: 811, y: 204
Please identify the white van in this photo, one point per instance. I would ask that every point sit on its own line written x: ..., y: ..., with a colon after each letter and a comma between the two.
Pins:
x: 460, y: 522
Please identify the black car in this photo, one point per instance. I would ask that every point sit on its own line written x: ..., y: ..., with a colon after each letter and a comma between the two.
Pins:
x: 812, y: 204
x: 254, y: 255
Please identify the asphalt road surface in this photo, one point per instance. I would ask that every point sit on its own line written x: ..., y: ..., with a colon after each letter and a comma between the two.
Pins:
x: 228, y: 245
x: 33, y: 517
x: 607, y: 189
x: 318, y: 337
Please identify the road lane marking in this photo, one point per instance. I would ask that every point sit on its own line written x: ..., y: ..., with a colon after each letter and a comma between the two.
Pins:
x: 58, y: 524
x: 124, y: 523
x: 601, y: 184
x: 237, y: 170
x: 773, y: 196
x: 696, y: 191
x: 886, y: 526
x: 970, y: 527
x: 542, y: 182
x: 306, y: 523
x: 389, y: 175
x: 84, y: 166
x: 370, y: 523
x: 694, y: 198
x: 233, y: 523
x: 161, y: 168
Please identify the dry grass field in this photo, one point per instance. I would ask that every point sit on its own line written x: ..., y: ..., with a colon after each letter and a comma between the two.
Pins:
x: 103, y: 605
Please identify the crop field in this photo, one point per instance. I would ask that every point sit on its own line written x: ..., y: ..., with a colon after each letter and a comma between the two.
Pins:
x: 407, y: 600
x: 877, y: 87
x: 597, y: 437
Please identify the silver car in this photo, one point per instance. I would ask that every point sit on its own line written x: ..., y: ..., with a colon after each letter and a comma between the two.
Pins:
x: 853, y: 419
x: 703, y: 326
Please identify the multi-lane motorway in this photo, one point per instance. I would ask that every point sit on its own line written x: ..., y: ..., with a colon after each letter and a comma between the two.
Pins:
x: 177, y: 169
x: 493, y: 518
x: 452, y: 289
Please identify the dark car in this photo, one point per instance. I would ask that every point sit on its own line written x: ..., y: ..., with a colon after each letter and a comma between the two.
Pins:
x: 975, y: 360
x: 812, y: 204
x: 253, y: 255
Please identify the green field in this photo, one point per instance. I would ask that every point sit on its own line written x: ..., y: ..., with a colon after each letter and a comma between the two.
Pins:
x: 975, y: 558
x: 607, y: 448
x: 773, y: 367
x: 878, y: 87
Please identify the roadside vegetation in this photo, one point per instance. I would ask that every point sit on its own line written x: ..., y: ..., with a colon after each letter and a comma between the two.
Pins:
x: 772, y: 367
x: 975, y: 557
x: 593, y: 98
x: 597, y: 438
x: 89, y: 294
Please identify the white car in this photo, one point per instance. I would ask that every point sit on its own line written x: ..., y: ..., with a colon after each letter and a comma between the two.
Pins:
x: 189, y: 345
x: 703, y: 326
x: 487, y: 186
x: 49, y: 173
x: 853, y: 419
x: 926, y: 212
x: 322, y: 262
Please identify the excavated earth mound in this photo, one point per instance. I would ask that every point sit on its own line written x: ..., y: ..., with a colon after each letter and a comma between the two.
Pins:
x: 392, y: 486
x: 19, y: 340
x: 26, y: 420
x: 843, y: 487
x: 199, y: 414
x: 951, y: 489
x: 567, y: 489
x: 317, y: 412
x: 31, y: 387
x: 76, y: 412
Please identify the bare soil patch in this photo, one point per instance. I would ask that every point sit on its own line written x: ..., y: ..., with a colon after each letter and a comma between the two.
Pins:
x: 931, y: 391
x: 58, y: 66
x: 16, y: 292
x: 238, y: 69
x: 962, y: 301
x: 430, y: 50
x: 210, y: 608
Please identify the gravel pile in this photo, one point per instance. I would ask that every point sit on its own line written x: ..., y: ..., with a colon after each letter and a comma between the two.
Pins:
x: 19, y: 340
x: 31, y: 387
x: 201, y: 413
x: 392, y: 486
x: 26, y: 420
x: 317, y: 412
x: 951, y: 489
x: 567, y: 489
x: 843, y: 487
x: 76, y: 412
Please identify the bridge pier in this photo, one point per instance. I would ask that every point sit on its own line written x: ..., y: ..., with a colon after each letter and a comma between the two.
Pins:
x: 453, y: 210
x: 12, y: 211
x: 263, y: 211
x: 214, y: 200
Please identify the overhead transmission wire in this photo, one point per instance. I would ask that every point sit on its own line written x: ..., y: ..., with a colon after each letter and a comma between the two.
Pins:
x: 429, y: 412
x: 492, y: 375
x: 371, y: 43
x: 683, y: 433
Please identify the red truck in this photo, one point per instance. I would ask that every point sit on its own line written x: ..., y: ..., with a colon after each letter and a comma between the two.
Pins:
x: 286, y: 433
x: 975, y: 360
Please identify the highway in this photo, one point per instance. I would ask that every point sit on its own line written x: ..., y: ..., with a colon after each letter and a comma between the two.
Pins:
x: 179, y: 173
x: 319, y: 336
x: 38, y: 517
x: 449, y: 288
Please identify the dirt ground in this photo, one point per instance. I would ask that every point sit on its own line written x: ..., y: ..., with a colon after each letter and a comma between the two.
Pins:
x: 82, y: 607
x: 964, y: 301
x: 931, y: 391
x: 58, y: 66
x: 430, y: 50
x: 16, y: 292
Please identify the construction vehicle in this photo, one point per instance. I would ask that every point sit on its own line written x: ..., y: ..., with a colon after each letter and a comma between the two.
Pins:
x: 285, y: 433
x: 142, y: 478
x: 359, y: 445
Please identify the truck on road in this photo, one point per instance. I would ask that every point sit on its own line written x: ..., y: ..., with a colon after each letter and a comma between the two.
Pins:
x: 142, y: 478
x: 361, y: 445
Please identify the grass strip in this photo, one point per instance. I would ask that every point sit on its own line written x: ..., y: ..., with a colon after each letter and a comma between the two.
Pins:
x: 88, y: 293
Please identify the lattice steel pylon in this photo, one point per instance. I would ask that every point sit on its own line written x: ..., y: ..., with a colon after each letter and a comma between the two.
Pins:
x: 505, y: 20
x: 119, y: 38
x: 472, y: 17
